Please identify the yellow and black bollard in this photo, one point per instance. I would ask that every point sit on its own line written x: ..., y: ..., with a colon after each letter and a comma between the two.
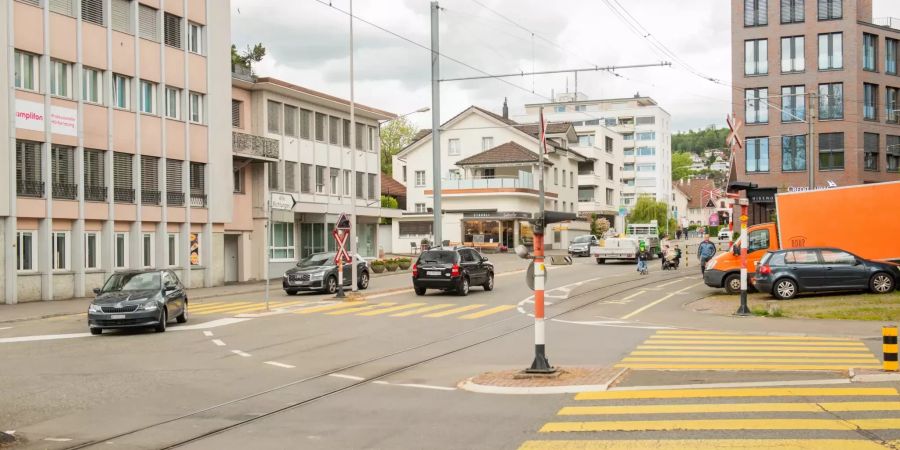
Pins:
x: 889, y: 347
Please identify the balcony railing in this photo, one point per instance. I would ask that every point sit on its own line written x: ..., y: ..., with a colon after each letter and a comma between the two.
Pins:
x: 65, y: 191
x: 242, y: 73
x: 95, y: 193
x: 123, y: 195
x: 248, y: 144
x: 890, y: 22
x: 198, y: 200
x: 150, y: 197
x: 28, y: 188
x: 523, y: 182
x: 174, y: 198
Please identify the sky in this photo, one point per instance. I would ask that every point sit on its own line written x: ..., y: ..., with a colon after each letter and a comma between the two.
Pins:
x: 308, y: 43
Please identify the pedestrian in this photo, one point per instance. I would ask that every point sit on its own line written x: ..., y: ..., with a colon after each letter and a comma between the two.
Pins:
x: 677, y: 256
x: 705, y: 252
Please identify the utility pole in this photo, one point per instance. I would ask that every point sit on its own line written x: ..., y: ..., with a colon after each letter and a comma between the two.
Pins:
x: 540, y: 363
x: 436, y: 122
x: 353, y: 150
x: 811, y: 140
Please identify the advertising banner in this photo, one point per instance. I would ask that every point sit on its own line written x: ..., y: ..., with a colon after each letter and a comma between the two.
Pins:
x: 30, y: 116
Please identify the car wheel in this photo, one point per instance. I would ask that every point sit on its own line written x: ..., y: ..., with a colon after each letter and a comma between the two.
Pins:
x: 96, y: 331
x: 331, y: 285
x: 163, y: 319
x: 363, y: 282
x: 463, y: 289
x: 290, y: 291
x: 419, y: 290
x: 881, y: 283
x: 733, y: 284
x: 183, y: 317
x: 785, y: 289
x: 489, y: 284
x: 602, y: 261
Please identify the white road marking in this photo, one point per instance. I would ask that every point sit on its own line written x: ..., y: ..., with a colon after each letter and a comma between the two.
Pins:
x: 613, y: 324
x: 646, y: 307
x: 45, y: 337
x: 627, y: 299
x: 57, y: 439
x: 240, y: 353
x: 211, y: 324
x: 218, y: 342
x: 349, y: 377
x: 278, y: 364
x: 686, y: 288
x: 5, y: 328
x: 207, y: 333
x: 413, y: 385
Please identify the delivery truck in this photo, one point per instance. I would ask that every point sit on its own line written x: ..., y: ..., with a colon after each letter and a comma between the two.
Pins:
x: 860, y: 219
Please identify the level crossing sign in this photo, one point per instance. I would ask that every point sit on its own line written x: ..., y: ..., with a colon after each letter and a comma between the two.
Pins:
x: 340, y: 237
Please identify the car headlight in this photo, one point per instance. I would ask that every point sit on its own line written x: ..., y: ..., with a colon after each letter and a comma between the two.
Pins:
x: 285, y: 275
x: 94, y: 308
x: 317, y: 275
x: 149, y: 306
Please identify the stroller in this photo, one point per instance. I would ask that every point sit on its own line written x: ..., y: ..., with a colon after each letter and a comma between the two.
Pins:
x: 670, y: 261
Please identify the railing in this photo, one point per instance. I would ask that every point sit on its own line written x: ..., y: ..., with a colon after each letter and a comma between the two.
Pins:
x: 198, y: 200
x: 585, y: 199
x: 65, y: 191
x: 525, y: 182
x: 242, y: 73
x: 248, y: 144
x: 95, y: 193
x: 28, y: 188
x: 150, y: 197
x: 890, y: 22
x: 175, y: 198
x: 123, y: 195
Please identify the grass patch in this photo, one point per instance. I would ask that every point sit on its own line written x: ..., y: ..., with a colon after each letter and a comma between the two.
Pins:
x: 870, y: 307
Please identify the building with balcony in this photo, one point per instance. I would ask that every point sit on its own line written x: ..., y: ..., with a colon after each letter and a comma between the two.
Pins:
x: 114, y: 122
x: 287, y: 138
x: 489, y: 180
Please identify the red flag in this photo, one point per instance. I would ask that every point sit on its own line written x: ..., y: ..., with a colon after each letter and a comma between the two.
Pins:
x: 543, y: 133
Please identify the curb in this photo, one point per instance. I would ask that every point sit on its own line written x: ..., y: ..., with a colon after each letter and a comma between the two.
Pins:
x: 468, y: 385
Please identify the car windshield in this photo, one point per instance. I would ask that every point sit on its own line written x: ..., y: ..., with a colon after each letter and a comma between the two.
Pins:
x: 440, y: 257
x: 132, y: 282
x: 319, y: 259
x: 582, y: 239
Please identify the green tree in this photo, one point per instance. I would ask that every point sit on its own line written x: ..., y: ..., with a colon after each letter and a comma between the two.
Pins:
x: 647, y: 209
x: 249, y: 56
x: 396, y: 135
x: 700, y: 140
x: 681, y: 166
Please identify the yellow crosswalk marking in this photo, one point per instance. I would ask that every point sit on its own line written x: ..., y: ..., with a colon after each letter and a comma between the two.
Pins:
x: 391, y: 309
x: 331, y: 307
x: 423, y: 310
x: 739, y: 337
x: 738, y: 343
x: 761, y: 347
x: 488, y: 312
x: 823, y: 359
x: 738, y: 366
x: 718, y: 334
x: 728, y: 408
x: 249, y: 308
x: 219, y: 308
x: 453, y: 311
x: 704, y: 444
x: 732, y: 353
x: 358, y: 309
x: 723, y: 424
x: 736, y: 392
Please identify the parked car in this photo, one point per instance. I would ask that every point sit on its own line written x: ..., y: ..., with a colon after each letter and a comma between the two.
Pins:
x: 581, y: 245
x: 786, y: 273
x: 138, y: 298
x: 318, y: 272
x: 452, y: 269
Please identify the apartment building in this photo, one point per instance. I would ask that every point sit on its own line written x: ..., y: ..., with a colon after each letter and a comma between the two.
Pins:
x: 489, y: 180
x: 644, y: 163
x: 287, y: 138
x: 115, y: 119
x: 828, y: 62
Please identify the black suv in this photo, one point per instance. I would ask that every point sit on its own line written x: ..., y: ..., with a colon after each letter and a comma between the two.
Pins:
x: 452, y: 269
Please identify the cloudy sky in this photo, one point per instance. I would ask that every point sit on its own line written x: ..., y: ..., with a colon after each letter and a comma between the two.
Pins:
x: 308, y: 44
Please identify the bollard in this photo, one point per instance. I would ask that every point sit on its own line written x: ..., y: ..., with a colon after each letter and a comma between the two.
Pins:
x: 889, y: 347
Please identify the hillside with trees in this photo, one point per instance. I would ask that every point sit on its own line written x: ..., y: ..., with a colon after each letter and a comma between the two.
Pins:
x: 699, y: 141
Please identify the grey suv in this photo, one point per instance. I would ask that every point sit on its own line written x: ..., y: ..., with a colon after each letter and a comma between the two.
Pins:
x: 317, y: 272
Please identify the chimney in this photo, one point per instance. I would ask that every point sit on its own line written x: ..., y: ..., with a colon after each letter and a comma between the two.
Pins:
x: 505, y: 109
x: 637, y: 95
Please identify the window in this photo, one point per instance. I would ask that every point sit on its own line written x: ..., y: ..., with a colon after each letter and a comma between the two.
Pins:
x: 172, y: 30
x: 195, y: 38
x: 792, y: 54
x: 870, y: 148
x: 564, y: 177
x: 305, y: 117
x: 334, y: 175
x: 571, y: 179
x: 556, y: 176
x: 123, y: 190
x: 320, y: 127
x: 646, y: 136
x: 173, y: 106
x: 290, y: 120
x: 26, y: 71
x: 831, y: 101
x: 121, y: 250
x: 757, y: 154
x: 66, y: 7
x: 891, y: 104
x: 346, y: 133
x: 148, y: 97
x: 870, y: 101
x: 420, y: 178
x: 646, y: 167
x: 486, y: 143
x: 360, y: 185
x: 121, y: 16
x: 60, y: 78
x: 197, y: 181
x: 273, y: 175
x: 147, y: 250
x: 580, y: 108
x: 837, y: 257
x: 801, y: 257
x: 830, y: 9
x: 92, y: 11
x: 831, y: 51
x: 793, y: 153
x: 196, y: 105
x: 173, y: 249
x: 94, y: 175
x: 26, y: 251
x: 320, y: 179
x: 628, y: 152
x: 149, y: 180
x: 586, y: 140
x: 628, y: 167
x: 610, y: 196
x: 756, y: 56
x: 454, y: 174
x: 290, y: 170
x: 120, y: 91
x: 148, y: 23
x: 608, y: 141
x: 360, y: 136
x: 371, y: 184
x: 62, y: 164
x: 755, y: 13
x: 609, y: 171
x: 890, y: 56
x: 559, y: 109
x: 420, y: 208
x: 404, y: 173
x: 334, y: 130
x: 238, y: 181
x: 91, y: 250
x: 757, y: 105
x: 628, y: 136
x: 648, y: 120
x: 373, y: 140
x: 281, y: 246
x: 59, y: 250
x: 793, y: 104
x: 347, y: 182
x: 646, y: 151
x: 759, y: 240
x: 831, y: 151
x: 870, y: 52
x: 92, y: 85
x: 792, y: 11
x: 174, y: 183
x: 453, y: 147
x: 893, y: 153
x: 273, y: 116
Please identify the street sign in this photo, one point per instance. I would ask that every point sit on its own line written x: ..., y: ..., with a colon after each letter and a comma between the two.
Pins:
x: 529, y: 276
x: 340, y: 237
x: 282, y: 200
x: 343, y: 222
x: 623, y: 212
x: 734, y: 137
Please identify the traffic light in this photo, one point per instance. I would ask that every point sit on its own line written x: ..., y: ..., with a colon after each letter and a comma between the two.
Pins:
x: 551, y: 217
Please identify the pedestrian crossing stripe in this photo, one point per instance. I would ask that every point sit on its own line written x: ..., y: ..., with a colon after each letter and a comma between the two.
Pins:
x: 724, y: 424
x: 704, y: 408
x: 381, y: 311
x: 364, y: 309
x: 737, y: 392
x: 357, y: 309
x: 704, y: 444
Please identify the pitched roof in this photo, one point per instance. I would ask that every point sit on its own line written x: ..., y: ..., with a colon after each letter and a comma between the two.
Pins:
x: 694, y: 188
x: 534, y: 129
x: 505, y: 120
x: 323, y: 95
x: 509, y: 152
x: 392, y: 187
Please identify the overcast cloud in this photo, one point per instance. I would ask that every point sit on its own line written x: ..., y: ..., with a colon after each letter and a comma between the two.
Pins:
x: 308, y: 44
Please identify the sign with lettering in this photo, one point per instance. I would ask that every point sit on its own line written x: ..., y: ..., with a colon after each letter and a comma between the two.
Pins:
x: 282, y: 200
x: 30, y: 116
x: 828, y: 185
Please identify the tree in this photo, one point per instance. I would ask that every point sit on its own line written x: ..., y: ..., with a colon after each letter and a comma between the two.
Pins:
x: 600, y: 226
x: 681, y: 166
x: 647, y: 209
x: 700, y: 140
x: 396, y: 135
x: 249, y: 56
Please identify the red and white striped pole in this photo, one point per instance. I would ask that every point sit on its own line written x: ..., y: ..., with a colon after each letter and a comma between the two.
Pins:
x: 744, y: 310
x: 540, y: 363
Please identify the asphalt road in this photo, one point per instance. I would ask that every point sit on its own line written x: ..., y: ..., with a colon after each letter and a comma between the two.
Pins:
x: 378, y: 374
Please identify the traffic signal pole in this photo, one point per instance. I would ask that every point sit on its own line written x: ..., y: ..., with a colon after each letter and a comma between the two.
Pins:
x: 744, y: 310
x: 540, y: 363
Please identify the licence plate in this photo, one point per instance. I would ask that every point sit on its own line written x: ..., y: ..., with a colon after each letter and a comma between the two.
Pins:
x: 117, y: 316
x: 433, y: 273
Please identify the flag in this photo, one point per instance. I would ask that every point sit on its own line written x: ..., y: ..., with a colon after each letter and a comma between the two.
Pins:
x: 543, y: 133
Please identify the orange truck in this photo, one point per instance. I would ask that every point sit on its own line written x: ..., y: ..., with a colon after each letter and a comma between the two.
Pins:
x: 862, y: 219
